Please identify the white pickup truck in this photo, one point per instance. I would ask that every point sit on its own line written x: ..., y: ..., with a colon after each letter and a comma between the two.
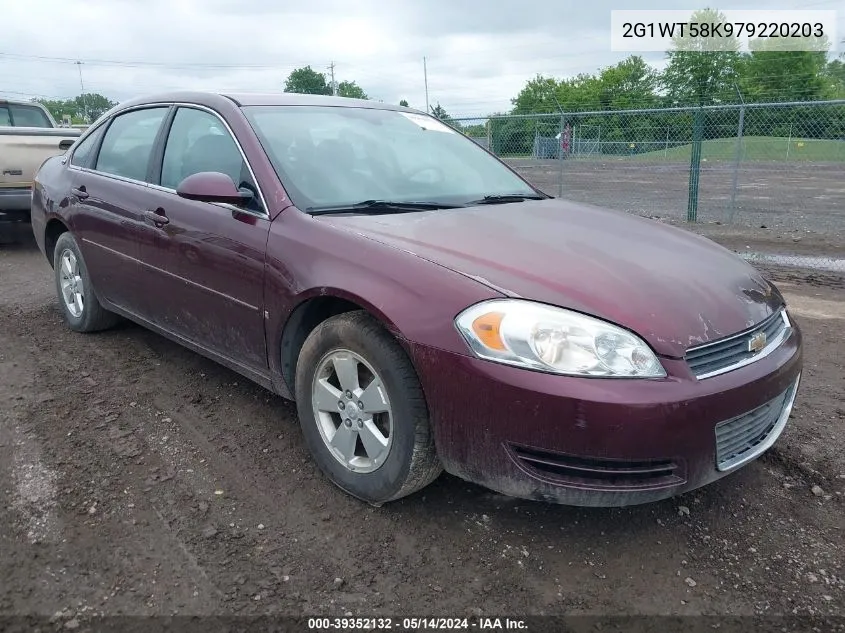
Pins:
x: 28, y: 137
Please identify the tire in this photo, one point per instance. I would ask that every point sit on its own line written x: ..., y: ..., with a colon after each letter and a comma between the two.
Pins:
x: 410, y: 461
x: 90, y: 316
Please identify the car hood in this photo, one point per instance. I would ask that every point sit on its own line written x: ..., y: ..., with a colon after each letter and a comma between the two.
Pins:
x: 675, y: 289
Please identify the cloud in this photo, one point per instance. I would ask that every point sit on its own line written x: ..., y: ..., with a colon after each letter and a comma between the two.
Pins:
x: 479, y: 54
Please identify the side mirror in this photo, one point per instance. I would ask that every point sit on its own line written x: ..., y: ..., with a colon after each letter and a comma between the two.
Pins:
x: 213, y: 186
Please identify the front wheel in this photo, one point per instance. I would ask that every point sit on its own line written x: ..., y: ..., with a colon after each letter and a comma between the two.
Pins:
x: 362, y: 410
x: 77, y: 301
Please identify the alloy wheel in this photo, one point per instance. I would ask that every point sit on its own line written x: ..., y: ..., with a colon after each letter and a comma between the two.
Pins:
x: 73, y: 288
x: 352, y: 411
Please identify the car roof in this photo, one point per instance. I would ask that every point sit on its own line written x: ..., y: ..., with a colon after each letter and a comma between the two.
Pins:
x: 22, y: 102
x: 259, y: 99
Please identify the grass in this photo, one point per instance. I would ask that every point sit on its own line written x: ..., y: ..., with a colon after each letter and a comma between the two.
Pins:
x: 754, y: 148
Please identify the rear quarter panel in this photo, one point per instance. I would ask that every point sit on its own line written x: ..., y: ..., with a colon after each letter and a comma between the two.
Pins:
x: 50, y: 198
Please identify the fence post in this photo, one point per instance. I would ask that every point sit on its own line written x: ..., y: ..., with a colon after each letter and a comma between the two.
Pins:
x: 737, y: 160
x: 490, y: 136
x: 695, y: 165
x: 560, y: 160
x: 789, y: 141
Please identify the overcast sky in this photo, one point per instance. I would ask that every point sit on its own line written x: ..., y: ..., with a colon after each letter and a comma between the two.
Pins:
x: 480, y: 53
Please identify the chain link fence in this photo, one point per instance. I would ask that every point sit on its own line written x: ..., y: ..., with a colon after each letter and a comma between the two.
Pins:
x: 776, y: 167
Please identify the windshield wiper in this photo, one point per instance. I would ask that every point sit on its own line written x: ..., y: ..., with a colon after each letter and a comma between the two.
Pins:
x: 505, y: 198
x: 381, y: 206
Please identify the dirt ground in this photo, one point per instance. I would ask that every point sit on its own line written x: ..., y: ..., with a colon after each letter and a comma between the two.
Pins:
x: 139, y: 478
x: 788, y: 199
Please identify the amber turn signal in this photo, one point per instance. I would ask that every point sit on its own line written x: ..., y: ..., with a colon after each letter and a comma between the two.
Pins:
x: 486, y: 328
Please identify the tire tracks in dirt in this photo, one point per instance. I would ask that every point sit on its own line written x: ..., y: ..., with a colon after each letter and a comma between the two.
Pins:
x: 145, y: 432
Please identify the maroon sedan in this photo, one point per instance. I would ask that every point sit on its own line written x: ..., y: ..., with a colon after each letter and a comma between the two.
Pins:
x: 426, y: 307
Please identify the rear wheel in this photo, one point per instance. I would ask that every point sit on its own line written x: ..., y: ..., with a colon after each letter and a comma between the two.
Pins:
x: 362, y: 410
x: 77, y: 300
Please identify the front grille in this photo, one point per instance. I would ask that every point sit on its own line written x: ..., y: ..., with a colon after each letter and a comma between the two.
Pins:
x: 741, y: 439
x: 736, y: 351
x: 598, y: 472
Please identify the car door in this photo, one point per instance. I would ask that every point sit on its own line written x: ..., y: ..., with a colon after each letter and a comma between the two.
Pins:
x: 207, y: 259
x: 108, y: 197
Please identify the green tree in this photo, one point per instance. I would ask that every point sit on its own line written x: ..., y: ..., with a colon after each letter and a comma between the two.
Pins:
x: 538, y: 96
x: 476, y: 130
x: 836, y: 69
x: 702, y: 71
x: 307, y: 81
x: 94, y: 104
x: 59, y: 108
x: 439, y: 112
x: 769, y: 73
x: 351, y: 89
x: 404, y: 104
x: 835, y: 75
x: 631, y: 83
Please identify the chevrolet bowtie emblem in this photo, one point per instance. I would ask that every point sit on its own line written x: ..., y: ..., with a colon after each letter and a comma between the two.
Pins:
x: 757, y: 342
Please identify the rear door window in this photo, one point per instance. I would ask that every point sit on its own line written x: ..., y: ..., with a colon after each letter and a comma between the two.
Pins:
x: 28, y: 116
x: 128, y: 144
x: 4, y: 116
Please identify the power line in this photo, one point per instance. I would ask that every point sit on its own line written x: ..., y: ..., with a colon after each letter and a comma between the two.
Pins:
x: 136, y: 64
x: 222, y: 66
x: 13, y: 78
x: 25, y: 93
x: 462, y: 103
x: 365, y: 72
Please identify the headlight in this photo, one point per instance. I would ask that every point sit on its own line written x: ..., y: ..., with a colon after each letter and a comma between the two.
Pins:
x: 537, y: 336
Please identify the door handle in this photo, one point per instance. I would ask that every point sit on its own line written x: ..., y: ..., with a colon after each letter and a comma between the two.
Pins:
x: 79, y: 192
x: 157, y: 217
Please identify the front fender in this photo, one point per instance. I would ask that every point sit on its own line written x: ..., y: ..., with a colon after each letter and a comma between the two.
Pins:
x: 416, y: 300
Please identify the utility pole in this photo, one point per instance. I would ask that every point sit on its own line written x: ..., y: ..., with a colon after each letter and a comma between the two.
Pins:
x: 425, y: 75
x: 82, y: 93
x: 334, y: 85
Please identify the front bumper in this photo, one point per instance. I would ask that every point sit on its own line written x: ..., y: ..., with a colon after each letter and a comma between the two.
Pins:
x: 590, y: 441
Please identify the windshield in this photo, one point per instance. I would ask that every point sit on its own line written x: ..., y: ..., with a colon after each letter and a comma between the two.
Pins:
x: 335, y: 156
